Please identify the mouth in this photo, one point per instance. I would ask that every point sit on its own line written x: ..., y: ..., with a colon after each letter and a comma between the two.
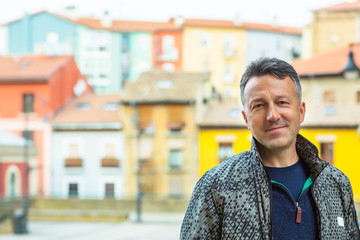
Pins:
x: 275, y: 129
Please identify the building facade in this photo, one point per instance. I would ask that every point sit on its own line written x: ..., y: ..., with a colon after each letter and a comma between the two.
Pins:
x: 160, y: 112
x: 333, y: 27
x: 32, y: 89
x: 88, y: 149
x: 18, y: 171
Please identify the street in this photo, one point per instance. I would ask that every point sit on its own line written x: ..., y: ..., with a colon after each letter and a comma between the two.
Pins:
x: 154, y: 226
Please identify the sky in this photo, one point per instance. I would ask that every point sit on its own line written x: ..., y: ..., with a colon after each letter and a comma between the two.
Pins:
x: 282, y: 12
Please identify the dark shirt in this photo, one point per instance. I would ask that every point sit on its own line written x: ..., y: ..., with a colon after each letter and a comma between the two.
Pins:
x: 289, y: 198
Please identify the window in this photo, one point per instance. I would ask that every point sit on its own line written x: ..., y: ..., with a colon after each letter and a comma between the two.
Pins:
x: 110, y: 159
x: 229, y: 76
x: 205, y: 40
x: 146, y: 126
x: 82, y: 106
x: 329, y: 97
x: 327, y: 151
x: 109, y: 190
x: 229, y: 46
x: 175, y: 116
x: 169, y: 52
x: 52, y: 37
x: 225, y: 151
x: 176, y: 159
x: 111, y: 106
x: 28, y: 102
x: 73, y: 159
x: 73, y: 190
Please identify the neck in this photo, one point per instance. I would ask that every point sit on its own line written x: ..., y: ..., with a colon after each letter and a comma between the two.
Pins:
x: 279, y: 157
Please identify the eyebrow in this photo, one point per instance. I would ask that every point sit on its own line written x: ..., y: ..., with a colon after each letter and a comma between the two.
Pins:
x: 261, y: 99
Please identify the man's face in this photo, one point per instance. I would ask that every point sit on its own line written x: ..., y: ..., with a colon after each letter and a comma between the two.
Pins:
x: 272, y: 111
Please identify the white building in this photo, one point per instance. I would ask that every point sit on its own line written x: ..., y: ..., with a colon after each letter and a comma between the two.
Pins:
x: 88, y: 149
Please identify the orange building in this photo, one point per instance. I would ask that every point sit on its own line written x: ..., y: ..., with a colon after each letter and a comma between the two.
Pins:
x: 32, y: 89
x: 167, y: 46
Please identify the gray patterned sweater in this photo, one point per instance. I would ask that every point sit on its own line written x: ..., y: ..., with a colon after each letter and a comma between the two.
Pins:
x: 232, y: 200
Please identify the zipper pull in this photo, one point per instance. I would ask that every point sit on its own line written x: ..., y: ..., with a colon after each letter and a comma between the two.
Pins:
x: 298, y: 213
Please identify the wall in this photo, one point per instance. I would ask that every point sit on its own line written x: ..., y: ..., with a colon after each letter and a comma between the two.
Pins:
x: 29, y: 35
x: 140, y: 53
x: 91, y: 176
x: 200, y: 57
x: 162, y: 141
x: 334, y: 29
x: 270, y: 44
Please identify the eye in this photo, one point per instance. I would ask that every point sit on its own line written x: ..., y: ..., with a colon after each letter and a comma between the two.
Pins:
x: 259, y: 105
x: 283, y: 102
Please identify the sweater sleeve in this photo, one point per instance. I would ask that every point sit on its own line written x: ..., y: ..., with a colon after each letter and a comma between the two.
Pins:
x: 202, y: 218
x: 352, y: 220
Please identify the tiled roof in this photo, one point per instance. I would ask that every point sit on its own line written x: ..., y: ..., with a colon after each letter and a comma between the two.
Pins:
x: 345, y: 6
x: 54, y: 14
x: 329, y: 63
x: 245, y: 25
x: 344, y: 116
x: 223, y: 115
x: 161, y: 86
x: 126, y: 26
x: 90, y: 108
x: 30, y: 68
x: 10, y: 139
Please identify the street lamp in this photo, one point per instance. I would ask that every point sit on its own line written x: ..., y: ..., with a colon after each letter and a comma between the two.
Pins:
x: 351, y: 71
x: 21, y: 220
x: 135, y: 121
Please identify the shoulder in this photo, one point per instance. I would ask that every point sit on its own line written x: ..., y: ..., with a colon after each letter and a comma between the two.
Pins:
x: 232, y: 169
x: 334, y: 177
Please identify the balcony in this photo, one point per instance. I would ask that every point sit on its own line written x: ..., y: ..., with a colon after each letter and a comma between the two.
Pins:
x: 175, y: 126
x: 169, y: 55
x: 110, y: 162
x: 73, y: 162
x: 146, y: 127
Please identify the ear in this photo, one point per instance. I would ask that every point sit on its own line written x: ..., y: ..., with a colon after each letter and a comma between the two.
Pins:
x: 302, y: 111
x: 245, y: 118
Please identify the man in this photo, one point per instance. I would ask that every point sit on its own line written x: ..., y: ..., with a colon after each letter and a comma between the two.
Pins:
x: 280, y: 188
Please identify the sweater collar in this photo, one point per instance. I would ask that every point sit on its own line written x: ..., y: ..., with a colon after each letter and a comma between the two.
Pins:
x: 306, y: 150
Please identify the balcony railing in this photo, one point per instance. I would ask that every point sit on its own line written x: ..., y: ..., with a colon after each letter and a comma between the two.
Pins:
x: 73, y: 162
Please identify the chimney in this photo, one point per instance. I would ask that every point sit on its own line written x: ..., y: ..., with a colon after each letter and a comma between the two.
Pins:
x: 70, y: 12
x: 179, y: 21
x: 237, y: 20
x: 106, y: 20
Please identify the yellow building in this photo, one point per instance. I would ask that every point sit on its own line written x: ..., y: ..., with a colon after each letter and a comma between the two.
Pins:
x: 160, y: 111
x: 215, y: 46
x: 332, y: 119
x: 332, y: 27
x: 331, y: 91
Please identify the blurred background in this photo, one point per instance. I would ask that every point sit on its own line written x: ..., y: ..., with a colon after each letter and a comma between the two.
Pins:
x: 111, y: 111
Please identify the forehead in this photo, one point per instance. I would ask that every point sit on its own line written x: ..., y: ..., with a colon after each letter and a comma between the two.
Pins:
x: 269, y: 84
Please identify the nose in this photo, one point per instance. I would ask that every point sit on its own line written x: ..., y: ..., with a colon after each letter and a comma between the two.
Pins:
x: 273, y: 114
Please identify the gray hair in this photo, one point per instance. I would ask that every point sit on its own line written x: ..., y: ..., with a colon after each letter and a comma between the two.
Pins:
x: 273, y: 66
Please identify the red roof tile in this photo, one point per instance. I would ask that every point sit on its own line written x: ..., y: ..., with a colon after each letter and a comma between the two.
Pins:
x: 94, y: 113
x: 345, y: 6
x: 245, y: 25
x: 329, y: 63
x: 126, y: 26
x: 30, y: 67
